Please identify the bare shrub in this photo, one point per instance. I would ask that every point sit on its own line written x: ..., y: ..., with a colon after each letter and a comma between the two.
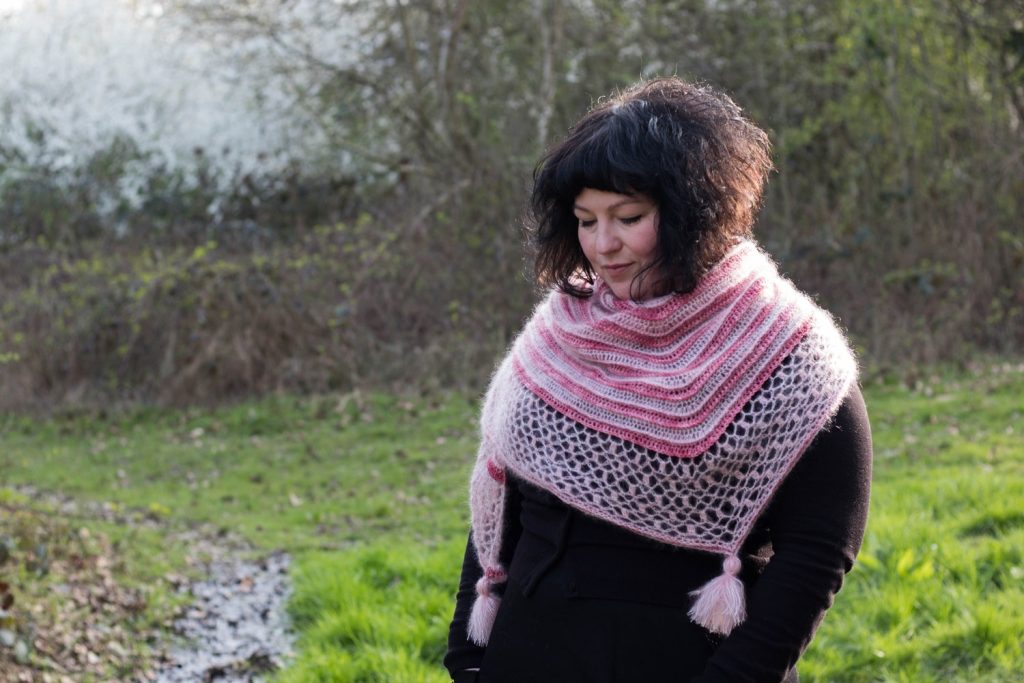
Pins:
x: 343, y: 306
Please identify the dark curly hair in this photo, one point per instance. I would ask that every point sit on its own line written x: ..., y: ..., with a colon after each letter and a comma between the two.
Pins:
x: 686, y: 147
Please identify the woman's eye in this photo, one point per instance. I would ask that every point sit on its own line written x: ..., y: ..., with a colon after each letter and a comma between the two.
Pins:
x: 630, y: 220
x: 587, y: 223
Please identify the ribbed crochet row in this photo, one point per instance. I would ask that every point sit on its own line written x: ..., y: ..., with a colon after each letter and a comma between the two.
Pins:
x: 670, y: 373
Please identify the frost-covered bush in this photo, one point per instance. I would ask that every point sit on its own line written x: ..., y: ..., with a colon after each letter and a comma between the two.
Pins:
x: 109, y: 108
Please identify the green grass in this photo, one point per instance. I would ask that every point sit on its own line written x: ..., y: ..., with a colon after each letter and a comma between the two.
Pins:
x: 376, y: 614
x: 307, y: 475
x: 939, y: 591
x: 295, y: 473
x: 369, y: 492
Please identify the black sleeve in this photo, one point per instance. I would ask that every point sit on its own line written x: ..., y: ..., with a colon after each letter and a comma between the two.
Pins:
x: 816, y: 524
x: 462, y: 653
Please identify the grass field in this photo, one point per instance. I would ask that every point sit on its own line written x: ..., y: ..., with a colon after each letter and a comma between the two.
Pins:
x: 368, y: 493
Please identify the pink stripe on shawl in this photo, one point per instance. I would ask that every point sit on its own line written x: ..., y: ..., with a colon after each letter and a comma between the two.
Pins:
x: 660, y: 312
x: 670, y: 336
x: 569, y: 341
x: 569, y: 370
x: 567, y: 385
x: 666, y: 330
x: 673, y: 448
x: 553, y: 350
x: 495, y: 470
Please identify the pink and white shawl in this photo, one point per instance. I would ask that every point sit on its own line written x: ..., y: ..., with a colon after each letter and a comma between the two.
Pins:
x: 676, y: 418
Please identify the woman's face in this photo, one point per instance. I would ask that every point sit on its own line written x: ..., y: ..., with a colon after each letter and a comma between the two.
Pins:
x: 619, y: 236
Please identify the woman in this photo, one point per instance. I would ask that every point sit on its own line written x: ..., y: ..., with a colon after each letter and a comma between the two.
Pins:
x: 674, y: 467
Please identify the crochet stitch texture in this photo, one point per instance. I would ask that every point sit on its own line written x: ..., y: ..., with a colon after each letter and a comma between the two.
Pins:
x: 676, y: 418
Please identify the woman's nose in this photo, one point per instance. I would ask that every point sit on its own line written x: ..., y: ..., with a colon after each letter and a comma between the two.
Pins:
x: 607, y: 240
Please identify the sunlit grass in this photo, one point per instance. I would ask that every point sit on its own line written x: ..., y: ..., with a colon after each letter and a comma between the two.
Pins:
x: 376, y: 614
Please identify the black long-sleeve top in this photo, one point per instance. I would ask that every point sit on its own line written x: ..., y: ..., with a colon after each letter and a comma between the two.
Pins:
x: 794, y: 559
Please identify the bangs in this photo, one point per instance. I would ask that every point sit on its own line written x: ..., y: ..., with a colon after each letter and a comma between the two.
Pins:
x: 608, y: 156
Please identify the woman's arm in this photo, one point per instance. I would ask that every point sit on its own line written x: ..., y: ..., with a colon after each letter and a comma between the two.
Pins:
x: 463, y: 655
x: 816, y: 523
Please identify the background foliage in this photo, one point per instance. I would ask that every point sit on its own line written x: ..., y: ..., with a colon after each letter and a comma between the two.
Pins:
x: 315, y: 195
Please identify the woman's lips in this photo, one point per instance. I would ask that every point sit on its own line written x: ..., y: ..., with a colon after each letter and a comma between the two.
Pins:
x: 617, y: 268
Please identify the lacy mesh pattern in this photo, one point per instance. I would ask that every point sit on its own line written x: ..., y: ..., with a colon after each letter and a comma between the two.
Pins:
x: 487, y: 504
x: 708, y: 502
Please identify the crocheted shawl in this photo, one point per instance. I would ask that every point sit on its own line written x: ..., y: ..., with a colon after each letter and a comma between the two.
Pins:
x: 676, y: 418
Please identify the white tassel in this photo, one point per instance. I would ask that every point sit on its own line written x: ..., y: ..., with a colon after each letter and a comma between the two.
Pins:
x: 485, y: 610
x: 720, y: 605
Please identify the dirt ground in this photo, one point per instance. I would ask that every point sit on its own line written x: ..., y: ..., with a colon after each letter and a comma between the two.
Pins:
x: 67, y: 614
